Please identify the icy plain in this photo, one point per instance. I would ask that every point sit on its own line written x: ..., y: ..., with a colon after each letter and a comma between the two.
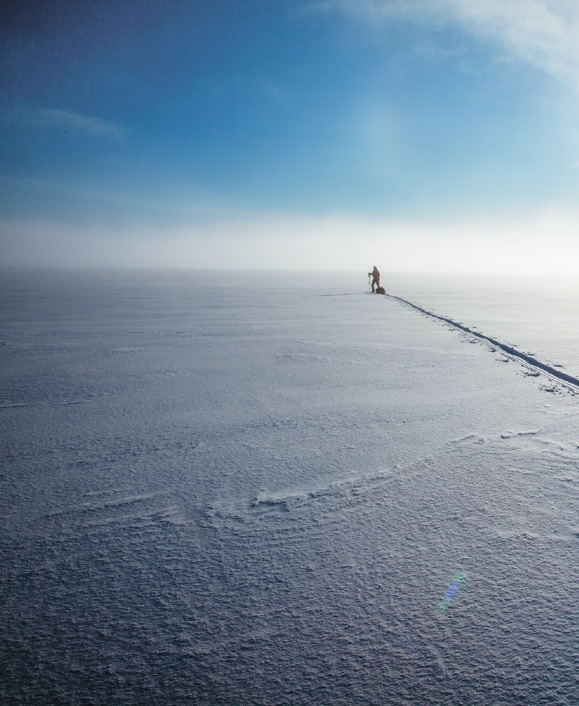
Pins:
x: 279, y: 489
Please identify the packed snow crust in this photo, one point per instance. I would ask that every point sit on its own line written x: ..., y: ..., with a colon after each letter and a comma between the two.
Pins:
x: 259, y: 491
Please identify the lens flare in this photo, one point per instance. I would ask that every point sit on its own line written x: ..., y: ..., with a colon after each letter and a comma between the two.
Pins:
x: 458, y: 581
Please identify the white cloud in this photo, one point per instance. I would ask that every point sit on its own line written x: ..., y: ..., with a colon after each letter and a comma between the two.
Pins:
x: 542, y: 33
x: 54, y: 118
x: 89, y: 124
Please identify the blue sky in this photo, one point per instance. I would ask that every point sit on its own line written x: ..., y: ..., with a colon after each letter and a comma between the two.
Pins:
x: 421, y: 135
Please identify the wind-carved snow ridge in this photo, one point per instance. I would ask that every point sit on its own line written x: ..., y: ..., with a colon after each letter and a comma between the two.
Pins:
x: 525, y: 359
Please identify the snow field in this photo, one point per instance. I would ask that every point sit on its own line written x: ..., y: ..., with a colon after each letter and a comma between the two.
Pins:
x: 259, y: 494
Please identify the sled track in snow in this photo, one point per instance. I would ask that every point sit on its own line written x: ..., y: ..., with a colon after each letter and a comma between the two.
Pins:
x: 526, y: 360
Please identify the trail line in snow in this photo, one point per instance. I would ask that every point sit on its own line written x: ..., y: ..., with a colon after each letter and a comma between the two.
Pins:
x: 524, y: 359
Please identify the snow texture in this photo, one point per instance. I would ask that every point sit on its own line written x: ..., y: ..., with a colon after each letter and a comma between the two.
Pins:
x: 260, y: 491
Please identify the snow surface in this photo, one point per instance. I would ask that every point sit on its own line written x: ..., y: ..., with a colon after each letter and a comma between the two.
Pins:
x: 260, y: 490
x: 538, y: 315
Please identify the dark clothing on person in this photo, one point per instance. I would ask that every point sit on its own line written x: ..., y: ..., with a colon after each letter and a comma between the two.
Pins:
x: 375, y: 274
